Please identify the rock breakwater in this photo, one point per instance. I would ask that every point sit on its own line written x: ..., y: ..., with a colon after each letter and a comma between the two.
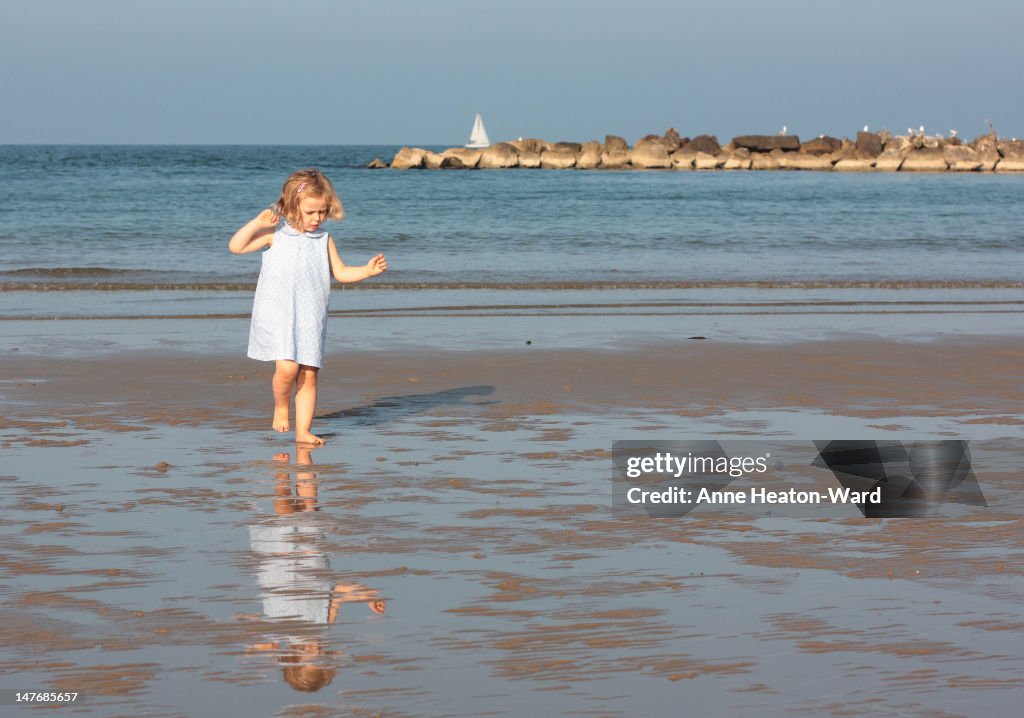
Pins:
x: 869, y: 152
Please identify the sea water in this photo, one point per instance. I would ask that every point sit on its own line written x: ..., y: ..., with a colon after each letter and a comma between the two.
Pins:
x: 149, y: 216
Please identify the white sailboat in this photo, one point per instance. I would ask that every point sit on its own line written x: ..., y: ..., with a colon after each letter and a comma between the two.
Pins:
x: 478, y: 137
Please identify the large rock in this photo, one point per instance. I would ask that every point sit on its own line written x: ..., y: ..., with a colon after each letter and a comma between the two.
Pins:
x: 1011, y: 149
x: 988, y: 162
x: 985, y: 143
x: 762, y: 161
x: 869, y: 144
x: 962, y: 158
x: 888, y: 162
x: 651, y: 154
x: 467, y: 157
x: 1010, y: 164
x: 529, y: 160
x: 614, y: 143
x: 432, y: 160
x: 767, y: 143
x: 737, y: 161
x: 652, y: 141
x: 589, y: 157
x: 924, y: 160
x: 708, y: 144
x: 704, y: 161
x: 800, y: 161
x: 615, y: 159
x: 452, y: 163
x: 558, y: 158
x: 574, y: 147
x: 987, y: 147
x: 894, y: 151
x: 853, y: 165
x: 500, y: 155
x: 966, y: 166
x: 823, y: 145
x: 846, y: 151
x: 682, y: 159
x: 957, y: 153
x: 529, y: 145
x: 899, y: 145
x: 672, y: 140
x: 408, y: 158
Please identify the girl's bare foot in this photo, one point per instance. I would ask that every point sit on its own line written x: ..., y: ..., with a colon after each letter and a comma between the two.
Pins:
x: 304, y: 437
x: 280, y: 422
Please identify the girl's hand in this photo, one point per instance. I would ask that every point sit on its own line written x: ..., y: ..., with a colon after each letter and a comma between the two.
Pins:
x: 377, y: 265
x: 267, y: 219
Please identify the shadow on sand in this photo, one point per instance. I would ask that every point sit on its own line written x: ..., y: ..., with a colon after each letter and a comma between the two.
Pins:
x: 391, y: 408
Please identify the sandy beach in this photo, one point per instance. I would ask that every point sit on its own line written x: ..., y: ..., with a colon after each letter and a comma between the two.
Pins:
x: 660, y: 377
x: 461, y: 510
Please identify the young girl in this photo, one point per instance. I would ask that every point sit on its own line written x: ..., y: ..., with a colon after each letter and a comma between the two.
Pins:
x: 289, y: 314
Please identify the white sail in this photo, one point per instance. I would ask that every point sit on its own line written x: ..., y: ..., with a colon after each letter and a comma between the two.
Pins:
x: 478, y: 137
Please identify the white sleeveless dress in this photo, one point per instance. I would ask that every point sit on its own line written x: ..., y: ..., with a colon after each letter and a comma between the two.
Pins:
x: 289, y: 313
x: 293, y: 568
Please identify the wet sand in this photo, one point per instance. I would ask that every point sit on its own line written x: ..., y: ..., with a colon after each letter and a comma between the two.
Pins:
x: 458, y: 523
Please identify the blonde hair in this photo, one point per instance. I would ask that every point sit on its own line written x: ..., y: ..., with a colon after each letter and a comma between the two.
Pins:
x: 309, y: 678
x: 307, y: 183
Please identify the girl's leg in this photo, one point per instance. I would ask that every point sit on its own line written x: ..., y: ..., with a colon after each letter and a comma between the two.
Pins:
x: 305, y: 404
x: 285, y: 373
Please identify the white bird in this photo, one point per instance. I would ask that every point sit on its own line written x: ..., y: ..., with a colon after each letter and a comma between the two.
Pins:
x: 865, y: 128
x: 952, y: 133
x: 921, y: 129
x: 910, y: 130
x: 782, y: 132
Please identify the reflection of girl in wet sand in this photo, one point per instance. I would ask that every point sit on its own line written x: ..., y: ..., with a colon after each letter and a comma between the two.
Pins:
x: 292, y: 576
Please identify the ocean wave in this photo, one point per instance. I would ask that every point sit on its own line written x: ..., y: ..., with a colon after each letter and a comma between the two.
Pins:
x: 234, y: 286
x: 591, y: 310
x: 68, y: 272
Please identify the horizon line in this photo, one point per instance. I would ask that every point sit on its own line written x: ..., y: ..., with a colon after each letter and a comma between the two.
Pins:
x: 220, y: 144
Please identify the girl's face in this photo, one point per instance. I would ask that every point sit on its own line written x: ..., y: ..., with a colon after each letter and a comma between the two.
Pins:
x: 312, y: 212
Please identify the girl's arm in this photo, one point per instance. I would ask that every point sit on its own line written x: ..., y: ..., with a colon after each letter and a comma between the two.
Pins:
x: 348, y: 275
x: 257, y: 234
x: 343, y: 593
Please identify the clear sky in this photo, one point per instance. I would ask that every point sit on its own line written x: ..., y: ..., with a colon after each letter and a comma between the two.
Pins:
x: 416, y: 71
